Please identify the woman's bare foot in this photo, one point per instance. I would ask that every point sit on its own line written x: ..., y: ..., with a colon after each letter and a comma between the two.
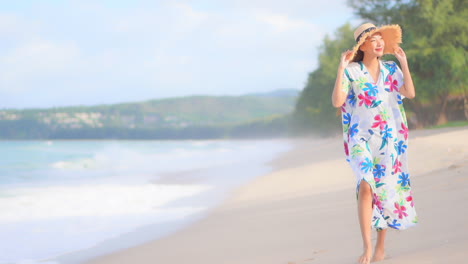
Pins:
x: 365, y: 258
x: 379, y: 255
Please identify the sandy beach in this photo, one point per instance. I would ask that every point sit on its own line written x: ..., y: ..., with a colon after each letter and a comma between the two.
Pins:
x: 305, y: 211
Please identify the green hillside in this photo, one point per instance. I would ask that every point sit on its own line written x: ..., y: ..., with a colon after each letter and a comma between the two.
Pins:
x: 162, y: 118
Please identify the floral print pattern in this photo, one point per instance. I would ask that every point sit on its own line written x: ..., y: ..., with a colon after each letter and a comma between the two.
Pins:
x: 375, y: 133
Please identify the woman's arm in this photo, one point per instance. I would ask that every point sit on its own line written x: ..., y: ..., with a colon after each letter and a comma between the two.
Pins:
x: 408, y: 88
x: 339, y: 92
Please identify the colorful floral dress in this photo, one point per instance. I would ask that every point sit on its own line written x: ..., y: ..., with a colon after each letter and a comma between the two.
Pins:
x: 375, y: 133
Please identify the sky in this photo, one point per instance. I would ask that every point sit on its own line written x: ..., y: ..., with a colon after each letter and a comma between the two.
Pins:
x: 86, y: 52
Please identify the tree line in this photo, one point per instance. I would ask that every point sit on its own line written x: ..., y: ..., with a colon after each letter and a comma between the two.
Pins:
x: 30, y: 129
x: 435, y: 39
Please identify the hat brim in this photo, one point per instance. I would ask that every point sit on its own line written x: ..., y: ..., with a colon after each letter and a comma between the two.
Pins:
x: 391, y: 34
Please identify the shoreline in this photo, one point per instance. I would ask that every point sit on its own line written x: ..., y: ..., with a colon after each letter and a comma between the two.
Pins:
x: 252, y: 164
x: 277, y: 217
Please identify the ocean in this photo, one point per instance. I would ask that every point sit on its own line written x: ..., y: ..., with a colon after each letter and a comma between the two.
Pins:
x: 68, y: 201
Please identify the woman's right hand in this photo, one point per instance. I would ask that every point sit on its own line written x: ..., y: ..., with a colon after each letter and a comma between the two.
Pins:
x: 345, y: 59
x: 339, y: 94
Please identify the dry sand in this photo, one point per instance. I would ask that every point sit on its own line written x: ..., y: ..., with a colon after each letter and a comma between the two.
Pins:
x: 306, y: 212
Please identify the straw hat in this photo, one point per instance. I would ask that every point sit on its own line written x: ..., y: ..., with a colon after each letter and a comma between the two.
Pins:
x: 391, y: 34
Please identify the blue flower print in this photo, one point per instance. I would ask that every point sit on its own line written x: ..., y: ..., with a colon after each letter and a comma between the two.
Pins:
x: 353, y: 130
x: 391, y: 67
x: 352, y: 98
x: 379, y: 171
x: 367, y: 165
x: 401, y: 147
x: 400, y: 100
x: 371, y: 89
x: 346, y: 118
x: 404, y: 179
x: 386, y: 132
x: 395, y: 224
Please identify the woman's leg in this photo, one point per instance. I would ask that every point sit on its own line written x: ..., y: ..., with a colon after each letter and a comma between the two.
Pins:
x: 365, y: 218
x: 379, y: 252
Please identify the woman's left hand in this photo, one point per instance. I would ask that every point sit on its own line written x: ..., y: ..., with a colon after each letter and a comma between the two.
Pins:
x: 408, y: 87
x: 400, y: 55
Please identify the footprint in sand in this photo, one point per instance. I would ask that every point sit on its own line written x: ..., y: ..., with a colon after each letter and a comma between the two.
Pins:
x: 309, y: 260
x: 320, y: 251
x: 305, y: 261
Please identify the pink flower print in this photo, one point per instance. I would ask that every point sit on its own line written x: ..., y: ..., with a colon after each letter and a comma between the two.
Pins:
x: 392, y: 83
x: 346, y: 149
x: 343, y: 109
x: 410, y: 199
x: 397, y: 166
x: 404, y: 130
x: 400, y: 210
x: 366, y: 99
x: 377, y: 202
x: 379, y: 122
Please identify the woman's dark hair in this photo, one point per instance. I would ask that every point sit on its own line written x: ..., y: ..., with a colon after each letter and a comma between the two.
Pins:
x: 359, y: 56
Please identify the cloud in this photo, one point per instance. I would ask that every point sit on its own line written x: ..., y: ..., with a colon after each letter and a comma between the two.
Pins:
x: 283, y: 23
x: 9, y: 24
x: 84, y: 52
x: 34, y: 61
x: 189, y: 14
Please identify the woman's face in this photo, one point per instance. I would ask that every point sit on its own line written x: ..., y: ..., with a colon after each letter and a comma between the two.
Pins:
x: 374, y: 45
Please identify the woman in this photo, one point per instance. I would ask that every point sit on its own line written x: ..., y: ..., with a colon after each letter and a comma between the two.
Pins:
x: 375, y: 132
